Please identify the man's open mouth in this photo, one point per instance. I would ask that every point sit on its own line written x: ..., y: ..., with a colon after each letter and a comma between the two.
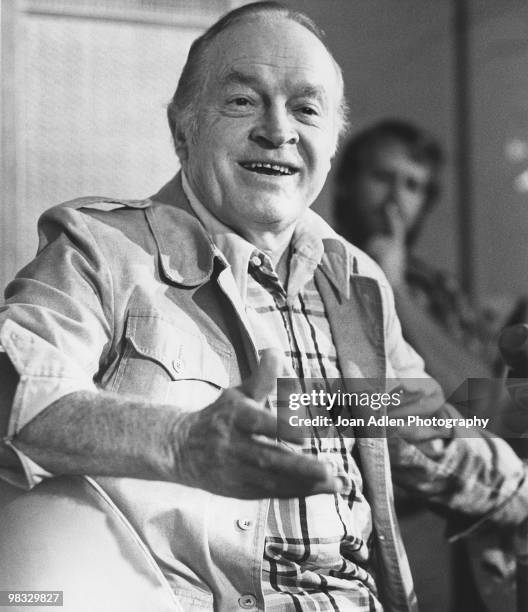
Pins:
x: 269, y: 168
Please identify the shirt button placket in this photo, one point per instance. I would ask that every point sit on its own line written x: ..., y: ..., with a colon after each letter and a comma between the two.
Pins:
x: 244, y: 524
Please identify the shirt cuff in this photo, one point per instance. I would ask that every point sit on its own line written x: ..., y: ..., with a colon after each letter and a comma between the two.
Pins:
x: 46, y: 375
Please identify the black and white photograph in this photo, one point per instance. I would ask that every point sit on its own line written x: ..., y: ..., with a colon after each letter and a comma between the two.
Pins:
x: 264, y: 313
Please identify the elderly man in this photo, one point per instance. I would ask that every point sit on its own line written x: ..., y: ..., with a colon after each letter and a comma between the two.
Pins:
x: 136, y: 314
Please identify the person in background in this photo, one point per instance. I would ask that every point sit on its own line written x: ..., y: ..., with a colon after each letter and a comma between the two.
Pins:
x: 387, y: 181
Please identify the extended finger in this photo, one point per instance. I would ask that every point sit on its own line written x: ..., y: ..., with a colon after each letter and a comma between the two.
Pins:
x: 255, y: 420
x: 259, y: 422
x: 293, y: 473
x: 263, y: 381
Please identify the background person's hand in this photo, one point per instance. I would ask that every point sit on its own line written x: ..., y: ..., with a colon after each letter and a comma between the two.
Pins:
x: 389, y: 249
x: 229, y: 448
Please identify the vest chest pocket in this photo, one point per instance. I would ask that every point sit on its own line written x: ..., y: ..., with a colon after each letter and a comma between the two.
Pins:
x: 163, y: 362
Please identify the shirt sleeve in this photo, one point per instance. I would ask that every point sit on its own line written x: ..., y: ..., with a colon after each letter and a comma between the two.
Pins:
x: 478, y: 476
x: 54, y: 328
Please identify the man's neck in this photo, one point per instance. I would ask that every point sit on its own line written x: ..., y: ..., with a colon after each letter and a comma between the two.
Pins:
x: 270, y: 242
x: 276, y: 245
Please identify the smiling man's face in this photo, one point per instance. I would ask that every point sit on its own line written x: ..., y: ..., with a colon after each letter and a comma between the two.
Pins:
x: 267, y: 125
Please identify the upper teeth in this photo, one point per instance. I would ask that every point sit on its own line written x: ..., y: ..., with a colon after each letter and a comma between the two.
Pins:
x: 274, y: 167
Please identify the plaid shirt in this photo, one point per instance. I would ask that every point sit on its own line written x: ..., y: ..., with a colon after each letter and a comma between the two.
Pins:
x: 317, y: 553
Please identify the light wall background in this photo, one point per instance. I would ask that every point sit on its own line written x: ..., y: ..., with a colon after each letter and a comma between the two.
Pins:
x: 85, y: 85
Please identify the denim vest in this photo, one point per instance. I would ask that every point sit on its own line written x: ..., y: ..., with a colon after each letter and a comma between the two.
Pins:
x: 212, y: 343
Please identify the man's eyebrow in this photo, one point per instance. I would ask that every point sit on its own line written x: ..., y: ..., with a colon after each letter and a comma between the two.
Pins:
x: 311, y: 91
x: 302, y: 90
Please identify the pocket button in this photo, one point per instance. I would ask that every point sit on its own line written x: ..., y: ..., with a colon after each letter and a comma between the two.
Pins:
x: 177, y: 365
x: 246, y: 602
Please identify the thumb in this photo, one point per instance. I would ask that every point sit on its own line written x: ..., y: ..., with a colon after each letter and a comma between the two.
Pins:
x: 263, y: 381
x: 397, y: 226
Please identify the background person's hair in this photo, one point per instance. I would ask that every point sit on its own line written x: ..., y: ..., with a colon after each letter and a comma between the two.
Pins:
x: 421, y: 146
x: 182, y: 109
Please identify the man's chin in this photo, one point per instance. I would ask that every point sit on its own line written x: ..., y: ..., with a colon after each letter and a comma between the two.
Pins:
x: 277, y: 209
x: 265, y: 218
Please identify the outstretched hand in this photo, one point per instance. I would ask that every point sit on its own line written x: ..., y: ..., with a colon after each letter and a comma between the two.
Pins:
x: 230, y: 448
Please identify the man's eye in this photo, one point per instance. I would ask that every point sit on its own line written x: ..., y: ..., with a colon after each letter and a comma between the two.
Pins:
x: 240, y: 101
x: 308, y: 110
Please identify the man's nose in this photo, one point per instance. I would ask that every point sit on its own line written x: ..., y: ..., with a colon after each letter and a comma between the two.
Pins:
x: 275, y: 129
x: 395, y: 193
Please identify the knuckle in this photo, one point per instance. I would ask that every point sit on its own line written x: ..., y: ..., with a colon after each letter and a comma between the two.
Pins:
x: 262, y: 460
x: 248, y: 417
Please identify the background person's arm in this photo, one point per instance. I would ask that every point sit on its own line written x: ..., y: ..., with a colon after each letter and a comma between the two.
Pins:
x: 446, y: 360
x: 470, y: 470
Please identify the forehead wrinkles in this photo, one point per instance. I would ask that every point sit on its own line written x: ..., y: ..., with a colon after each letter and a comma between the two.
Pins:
x: 276, y: 44
x: 298, y: 81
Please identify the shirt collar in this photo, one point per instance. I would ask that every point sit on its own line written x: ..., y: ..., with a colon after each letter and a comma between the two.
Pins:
x: 232, y: 248
x: 313, y: 242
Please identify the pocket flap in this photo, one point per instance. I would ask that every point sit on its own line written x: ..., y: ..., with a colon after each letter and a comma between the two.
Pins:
x: 184, y: 355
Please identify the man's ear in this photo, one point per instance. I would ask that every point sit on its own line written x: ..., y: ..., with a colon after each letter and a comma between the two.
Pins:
x: 178, y: 133
x: 180, y: 143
